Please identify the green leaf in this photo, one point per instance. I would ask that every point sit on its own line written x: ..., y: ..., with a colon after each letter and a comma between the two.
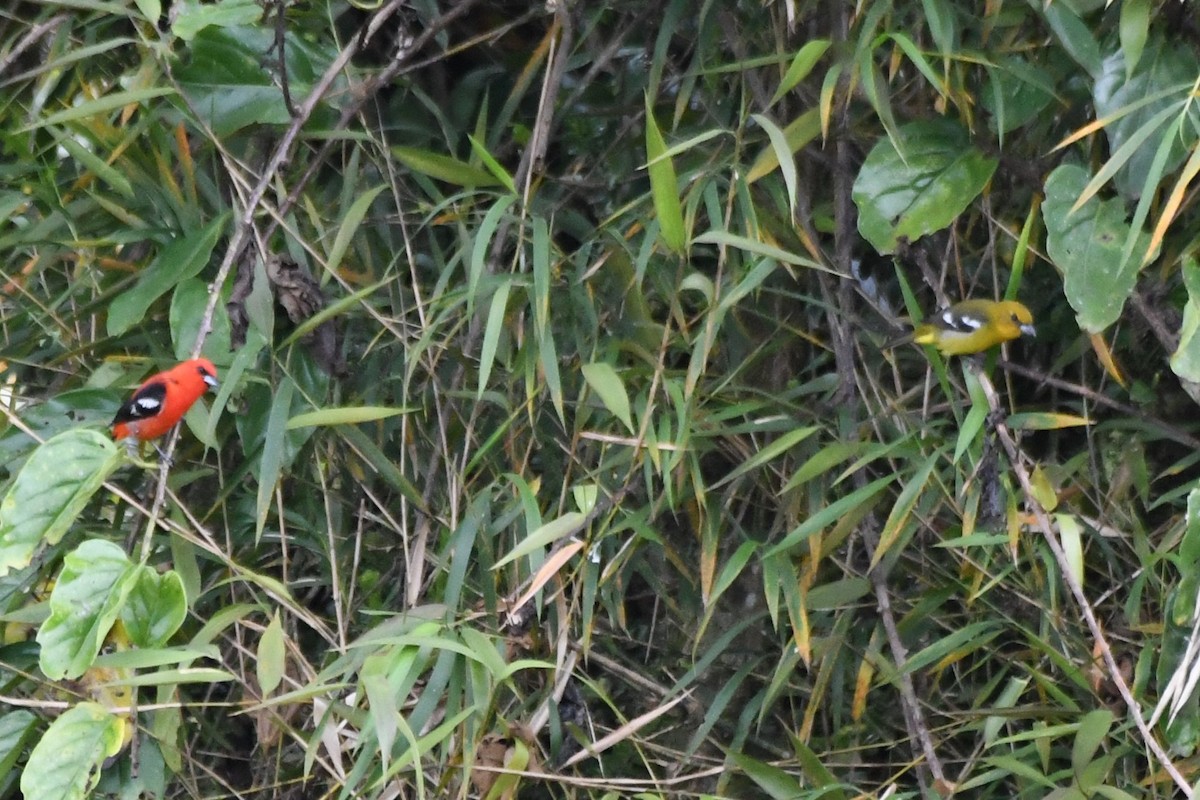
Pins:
x: 65, y: 764
x: 802, y: 64
x: 798, y: 133
x: 493, y: 166
x: 773, y: 781
x: 1185, y: 361
x: 100, y: 106
x: 51, y: 490
x: 186, y: 315
x: 1143, y: 109
x: 609, y: 387
x: 1074, y: 35
x: 271, y: 660
x: 273, y: 450
x: 347, y: 415
x: 181, y: 259
x: 155, y: 608
x: 568, y: 524
x: 87, y: 599
x: 443, y: 167
x: 350, y: 225
x: 491, y: 333
x: 1088, y: 246
x: 972, y: 637
x: 231, y: 86
x: 15, y: 727
x: 1070, y: 532
x: 664, y: 186
x: 905, y: 194
x: 1134, y: 28
x: 1093, y: 730
x: 189, y: 17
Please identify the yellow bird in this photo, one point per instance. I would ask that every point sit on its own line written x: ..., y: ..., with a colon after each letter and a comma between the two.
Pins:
x: 972, y: 326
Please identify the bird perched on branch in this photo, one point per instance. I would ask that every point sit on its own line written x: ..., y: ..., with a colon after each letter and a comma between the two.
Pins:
x: 971, y: 326
x: 162, y: 400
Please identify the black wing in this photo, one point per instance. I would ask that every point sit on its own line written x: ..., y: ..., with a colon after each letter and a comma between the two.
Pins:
x: 145, y: 402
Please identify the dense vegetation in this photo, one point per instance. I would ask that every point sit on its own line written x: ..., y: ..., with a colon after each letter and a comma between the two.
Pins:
x: 557, y: 452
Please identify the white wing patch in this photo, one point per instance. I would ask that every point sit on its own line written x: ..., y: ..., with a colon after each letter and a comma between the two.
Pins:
x: 960, y: 322
x: 146, y: 405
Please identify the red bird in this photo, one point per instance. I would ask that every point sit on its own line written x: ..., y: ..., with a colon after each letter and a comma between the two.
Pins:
x: 163, y: 399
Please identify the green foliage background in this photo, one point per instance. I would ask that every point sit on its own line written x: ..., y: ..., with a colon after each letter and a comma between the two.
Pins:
x: 556, y: 452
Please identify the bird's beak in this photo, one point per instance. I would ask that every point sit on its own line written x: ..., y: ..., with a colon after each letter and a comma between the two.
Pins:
x: 211, y: 381
x: 1028, y: 330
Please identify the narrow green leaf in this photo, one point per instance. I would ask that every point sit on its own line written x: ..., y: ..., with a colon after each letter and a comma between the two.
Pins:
x: 493, y: 166
x: 271, y: 658
x: 664, y: 186
x: 609, y: 387
x: 101, y: 105
x: 491, y: 333
x: 273, y: 449
x: 568, y: 524
x: 443, y: 167
x: 802, y: 64
x: 346, y: 415
x: 350, y: 225
x: 768, y: 454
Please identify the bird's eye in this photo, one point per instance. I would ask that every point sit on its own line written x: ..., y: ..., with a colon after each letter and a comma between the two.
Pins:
x: 1014, y: 319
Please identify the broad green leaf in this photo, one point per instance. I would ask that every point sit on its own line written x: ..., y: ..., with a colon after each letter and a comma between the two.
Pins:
x: 568, y: 524
x: 65, y: 764
x: 231, y: 86
x: 1088, y: 246
x: 188, y: 302
x: 155, y: 608
x: 609, y: 387
x: 181, y: 259
x: 664, y: 186
x: 87, y: 599
x: 1147, y: 103
x: 189, y: 17
x: 51, y: 490
x: 1189, y: 546
x: 271, y: 660
x: 902, y: 196
x: 15, y: 727
x: 443, y: 167
x: 348, y: 415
